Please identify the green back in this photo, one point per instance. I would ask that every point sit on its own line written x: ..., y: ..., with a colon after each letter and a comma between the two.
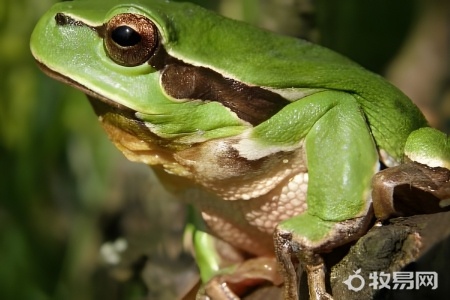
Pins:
x: 257, y: 57
x: 262, y: 58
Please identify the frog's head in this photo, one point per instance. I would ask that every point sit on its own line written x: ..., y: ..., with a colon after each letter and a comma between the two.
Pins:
x: 86, y: 45
x: 131, y: 57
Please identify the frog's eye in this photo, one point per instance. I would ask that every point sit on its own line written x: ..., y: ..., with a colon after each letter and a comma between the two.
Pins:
x: 130, y: 39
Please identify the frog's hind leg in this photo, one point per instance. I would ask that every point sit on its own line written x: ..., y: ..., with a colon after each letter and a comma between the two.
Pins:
x: 342, y: 159
x: 226, y: 272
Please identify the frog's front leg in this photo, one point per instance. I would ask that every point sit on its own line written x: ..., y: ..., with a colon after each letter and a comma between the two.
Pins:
x: 341, y: 159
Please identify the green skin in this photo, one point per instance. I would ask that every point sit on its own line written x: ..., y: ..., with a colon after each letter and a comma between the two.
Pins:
x: 342, y: 118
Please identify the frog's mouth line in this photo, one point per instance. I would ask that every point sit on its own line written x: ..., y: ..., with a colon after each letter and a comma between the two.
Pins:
x: 90, y: 93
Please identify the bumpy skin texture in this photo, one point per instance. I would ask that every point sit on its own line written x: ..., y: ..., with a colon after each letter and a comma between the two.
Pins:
x: 246, y: 224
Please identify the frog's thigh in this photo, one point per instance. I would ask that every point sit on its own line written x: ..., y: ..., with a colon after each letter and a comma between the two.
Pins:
x: 341, y: 159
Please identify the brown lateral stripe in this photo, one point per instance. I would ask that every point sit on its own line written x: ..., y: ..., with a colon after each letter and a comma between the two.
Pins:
x: 252, y: 104
x: 183, y: 81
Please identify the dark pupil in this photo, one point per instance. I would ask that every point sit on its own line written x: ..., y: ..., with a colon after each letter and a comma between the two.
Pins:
x: 125, y: 36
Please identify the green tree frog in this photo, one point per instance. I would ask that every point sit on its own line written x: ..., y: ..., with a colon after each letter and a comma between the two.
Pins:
x: 283, y: 136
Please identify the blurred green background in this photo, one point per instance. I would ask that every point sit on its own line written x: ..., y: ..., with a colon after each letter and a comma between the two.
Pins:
x: 65, y: 190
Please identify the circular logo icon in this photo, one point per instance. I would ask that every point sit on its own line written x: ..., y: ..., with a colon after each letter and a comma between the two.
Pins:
x: 355, y: 277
